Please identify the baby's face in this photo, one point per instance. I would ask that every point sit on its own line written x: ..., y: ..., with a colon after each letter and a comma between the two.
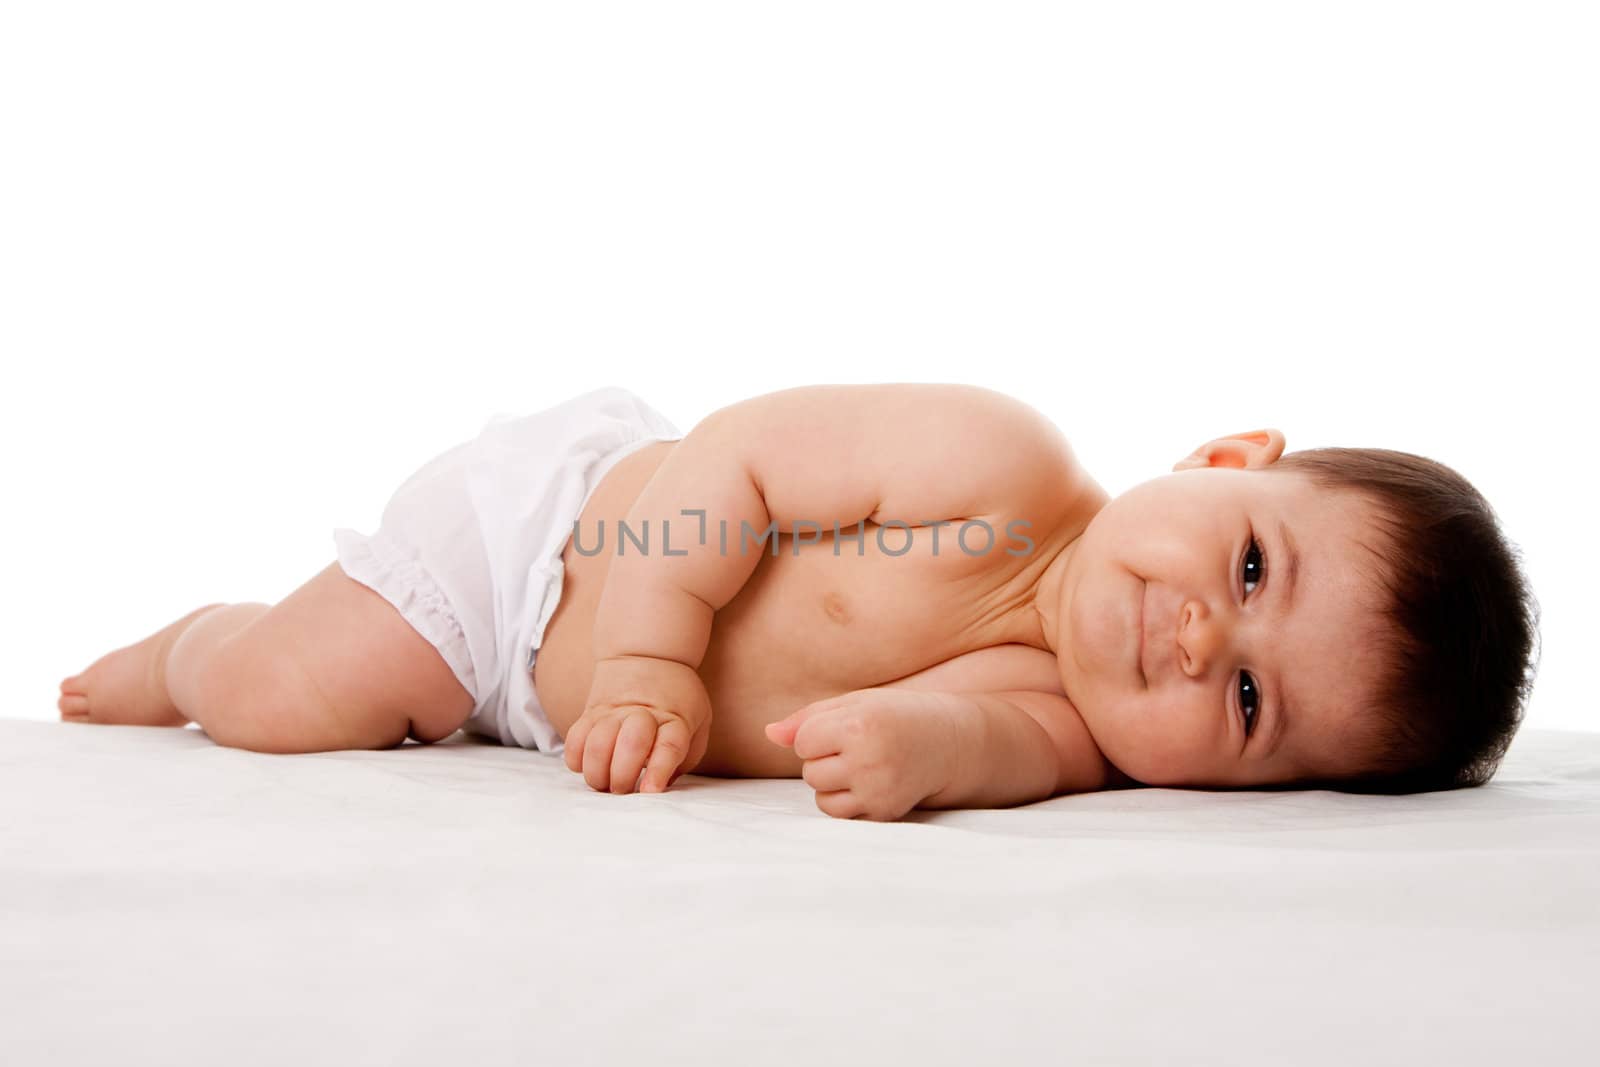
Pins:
x: 1240, y: 681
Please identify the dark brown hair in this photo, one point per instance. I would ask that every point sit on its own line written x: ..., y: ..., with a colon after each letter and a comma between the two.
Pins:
x: 1458, y: 628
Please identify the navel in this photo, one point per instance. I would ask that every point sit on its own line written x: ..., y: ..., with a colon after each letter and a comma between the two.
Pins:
x: 834, y: 606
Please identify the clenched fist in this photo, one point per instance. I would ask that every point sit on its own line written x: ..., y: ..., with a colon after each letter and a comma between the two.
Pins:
x: 646, y: 721
x: 878, y: 753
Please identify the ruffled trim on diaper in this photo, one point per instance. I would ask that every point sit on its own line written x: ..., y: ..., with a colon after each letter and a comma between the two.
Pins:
x: 396, y: 573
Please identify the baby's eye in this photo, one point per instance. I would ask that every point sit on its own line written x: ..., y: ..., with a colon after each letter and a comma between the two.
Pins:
x: 1255, y: 550
x: 1250, y: 701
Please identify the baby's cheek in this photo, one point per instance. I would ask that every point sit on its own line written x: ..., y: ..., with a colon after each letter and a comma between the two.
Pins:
x: 1155, y: 749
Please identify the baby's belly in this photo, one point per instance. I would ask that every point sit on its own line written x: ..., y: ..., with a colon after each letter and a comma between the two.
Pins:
x: 814, y: 624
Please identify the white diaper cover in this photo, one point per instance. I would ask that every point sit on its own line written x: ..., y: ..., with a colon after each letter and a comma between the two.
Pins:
x: 469, y: 547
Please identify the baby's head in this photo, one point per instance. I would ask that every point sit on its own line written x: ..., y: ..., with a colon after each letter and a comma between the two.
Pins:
x: 1402, y: 655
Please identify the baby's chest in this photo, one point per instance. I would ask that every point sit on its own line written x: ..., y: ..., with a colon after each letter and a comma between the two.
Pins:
x: 857, y: 611
x: 818, y: 623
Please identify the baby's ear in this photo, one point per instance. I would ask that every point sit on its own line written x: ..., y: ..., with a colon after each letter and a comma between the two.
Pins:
x: 1254, y: 448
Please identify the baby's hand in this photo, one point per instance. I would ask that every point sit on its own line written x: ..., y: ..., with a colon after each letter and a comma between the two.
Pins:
x: 878, y: 752
x: 644, y: 713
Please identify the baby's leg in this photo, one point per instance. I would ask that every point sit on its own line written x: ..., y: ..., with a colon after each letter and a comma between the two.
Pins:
x: 331, y: 666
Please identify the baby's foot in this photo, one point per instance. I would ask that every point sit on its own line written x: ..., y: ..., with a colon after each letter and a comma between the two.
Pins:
x: 128, y: 686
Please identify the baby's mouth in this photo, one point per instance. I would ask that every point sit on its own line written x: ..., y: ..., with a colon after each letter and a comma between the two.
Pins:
x: 1138, y: 637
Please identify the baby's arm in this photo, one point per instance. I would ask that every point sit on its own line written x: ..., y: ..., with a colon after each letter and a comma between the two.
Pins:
x: 797, y: 461
x: 878, y: 753
x: 1024, y: 746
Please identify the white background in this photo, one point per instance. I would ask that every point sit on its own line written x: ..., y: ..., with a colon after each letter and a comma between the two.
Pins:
x: 260, y: 261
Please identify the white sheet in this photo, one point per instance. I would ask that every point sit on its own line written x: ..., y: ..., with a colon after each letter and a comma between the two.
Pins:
x: 165, y: 900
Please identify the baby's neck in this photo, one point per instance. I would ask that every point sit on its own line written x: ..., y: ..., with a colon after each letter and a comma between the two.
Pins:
x: 1045, y: 606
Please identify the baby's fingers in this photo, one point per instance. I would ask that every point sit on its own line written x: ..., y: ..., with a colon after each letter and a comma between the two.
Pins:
x: 598, y: 743
x: 672, y: 745
x: 574, y: 741
x: 830, y: 774
x: 633, y: 742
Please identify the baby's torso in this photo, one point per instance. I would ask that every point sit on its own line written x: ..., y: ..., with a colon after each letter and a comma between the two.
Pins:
x: 833, y: 617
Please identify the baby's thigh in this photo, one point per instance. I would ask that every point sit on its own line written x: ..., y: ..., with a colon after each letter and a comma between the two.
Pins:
x: 334, y: 666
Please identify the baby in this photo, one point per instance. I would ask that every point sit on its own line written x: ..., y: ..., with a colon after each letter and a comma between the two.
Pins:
x: 909, y: 595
